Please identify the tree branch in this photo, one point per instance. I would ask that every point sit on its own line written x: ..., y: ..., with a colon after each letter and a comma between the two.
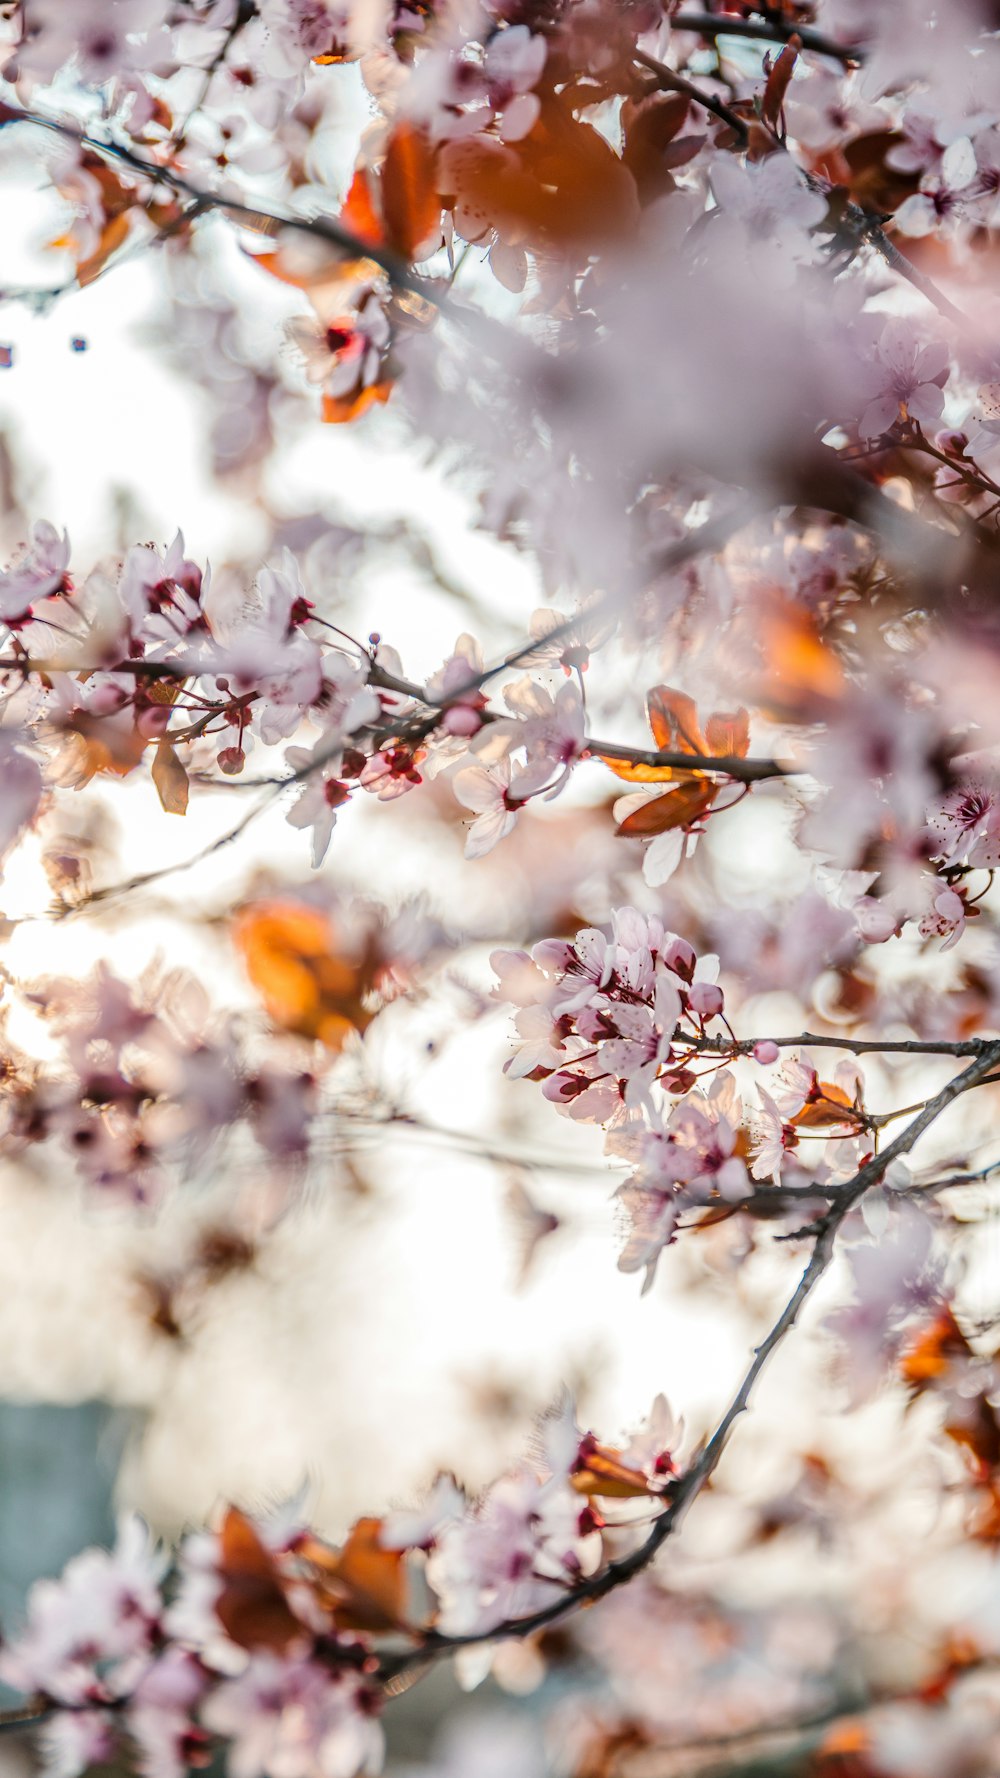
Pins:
x: 686, y: 1490
x: 858, y: 1046
x: 321, y: 227
x: 678, y: 83
x: 713, y: 24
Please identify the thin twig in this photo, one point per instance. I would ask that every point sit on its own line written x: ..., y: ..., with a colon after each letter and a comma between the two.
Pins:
x: 678, y: 83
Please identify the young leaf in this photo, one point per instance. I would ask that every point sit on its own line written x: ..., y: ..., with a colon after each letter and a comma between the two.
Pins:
x: 252, y: 1607
x: 171, y: 779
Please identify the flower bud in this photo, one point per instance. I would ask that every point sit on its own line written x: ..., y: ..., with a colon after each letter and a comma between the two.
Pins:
x: 152, y: 722
x: 706, y: 999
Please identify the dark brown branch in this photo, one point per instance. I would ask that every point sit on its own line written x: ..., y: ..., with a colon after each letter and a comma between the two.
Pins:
x: 135, y: 669
x: 746, y: 771
x: 712, y: 24
x: 25, y: 1716
x: 858, y: 1046
x: 873, y: 231
x: 678, y: 83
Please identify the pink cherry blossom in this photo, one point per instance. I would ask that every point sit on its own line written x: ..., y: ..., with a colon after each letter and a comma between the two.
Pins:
x: 40, y: 573
x: 487, y: 791
x: 904, y: 380
x: 89, y: 1635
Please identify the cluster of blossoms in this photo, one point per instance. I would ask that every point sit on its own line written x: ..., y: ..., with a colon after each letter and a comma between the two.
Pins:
x: 280, y: 1644
x: 149, y: 1077
x: 616, y: 1026
x: 767, y: 172
x: 149, y: 658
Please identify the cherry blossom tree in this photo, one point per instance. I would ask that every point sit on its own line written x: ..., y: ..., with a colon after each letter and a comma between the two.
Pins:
x: 700, y: 308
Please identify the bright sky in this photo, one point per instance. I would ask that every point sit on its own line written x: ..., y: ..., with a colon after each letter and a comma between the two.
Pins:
x: 340, y: 1361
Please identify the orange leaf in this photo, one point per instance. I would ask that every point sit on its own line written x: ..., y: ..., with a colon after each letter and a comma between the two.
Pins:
x: 977, y: 1431
x: 933, y: 1350
x: 103, y: 744
x: 358, y: 213
x: 728, y: 735
x: 673, y: 718
x: 822, y: 1111
x: 604, y: 1473
x: 328, y: 277
x: 290, y: 956
x: 113, y: 234
x: 800, y: 669
x: 411, y: 206
x: 338, y: 409
x: 252, y: 1607
x: 635, y: 773
x: 589, y: 193
x: 679, y: 807
x: 364, y: 1583
x: 562, y: 186
x: 171, y: 779
x: 846, y: 1737
x: 776, y: 85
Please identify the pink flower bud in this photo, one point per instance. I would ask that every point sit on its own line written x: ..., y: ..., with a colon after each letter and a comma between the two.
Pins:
x: 105, y: 699
x: 765, y: 1051
x: 152, y: 721
x: 232, y: 760
x: 706, y: 999
x: 679, y: 957
x: 461, y: 719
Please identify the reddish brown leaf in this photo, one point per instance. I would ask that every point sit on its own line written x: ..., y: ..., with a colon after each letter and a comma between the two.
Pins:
x: 673, y: 718
x: 870, y: 180
x: 776, y: 85
x: 680, y: 807
x: 933, y: 1350
x: 252, y: 1607
x: 634, y: 772
x: 289, y: 950
x: 728, y: 736
x: 509, y: 266
x: 364, y: 1584
x: 650, y: 126
x: 978, y: 1432
x: 171, y: 779
x: 411, y: 207
x: 114, y: 232
x: 563, y: 186
x: 338, y: 409
x: 833, y: 1108
x: 603, y: 1472
x: 358, y: 212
